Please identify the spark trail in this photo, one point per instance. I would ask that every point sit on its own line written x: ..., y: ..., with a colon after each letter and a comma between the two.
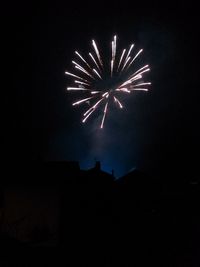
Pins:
x: 92, y: 75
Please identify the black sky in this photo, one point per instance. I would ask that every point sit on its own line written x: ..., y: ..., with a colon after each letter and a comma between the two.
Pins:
x: 157, y: 132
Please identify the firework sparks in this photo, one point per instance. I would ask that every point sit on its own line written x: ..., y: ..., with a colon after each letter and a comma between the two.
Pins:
x: 95, y: 62
x: 76, y: 89
x: 94, y: 77
x: 120, y: 61
x: 118, y: 102
x: 135, y: 58
x: 97, y: 52
x: 97, y: 73
x: 77, y: 53
x: 79, y: 82
x: 81, y: 101
x: 104, y: 114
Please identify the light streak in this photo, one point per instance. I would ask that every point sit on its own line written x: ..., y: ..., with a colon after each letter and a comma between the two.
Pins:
x: 105, y: 83
x: 104, y: 114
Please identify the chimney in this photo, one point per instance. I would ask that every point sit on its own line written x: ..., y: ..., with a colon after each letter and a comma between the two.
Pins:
x: 98, y: 166
x: 112, y: 173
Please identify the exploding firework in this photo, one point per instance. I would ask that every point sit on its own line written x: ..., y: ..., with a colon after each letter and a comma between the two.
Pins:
x: 103, y: 82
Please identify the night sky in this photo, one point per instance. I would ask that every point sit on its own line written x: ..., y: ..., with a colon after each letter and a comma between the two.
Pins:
x: 156, y: 132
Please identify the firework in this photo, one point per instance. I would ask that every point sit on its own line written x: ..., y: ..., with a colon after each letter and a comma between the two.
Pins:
x: 103, y: 81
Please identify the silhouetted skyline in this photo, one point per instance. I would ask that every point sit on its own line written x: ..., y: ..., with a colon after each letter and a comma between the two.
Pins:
x: 62, y: 214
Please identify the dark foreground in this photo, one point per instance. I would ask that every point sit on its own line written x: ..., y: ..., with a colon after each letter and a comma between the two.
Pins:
x: 98, y: 221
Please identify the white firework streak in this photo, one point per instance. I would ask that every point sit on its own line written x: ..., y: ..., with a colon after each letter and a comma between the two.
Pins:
x: 77, y: 89
x: 144, y: 67
x: 84, y: 120
x: 104, y: 114
x: 125, y: 63
x: 97, y: 52
x: 97, y: 73
x: 84, y: 71
x: 115, y: 46
x: 77, y: 53
x: 139, y: 84
x: 129, y: 51
x: 111, y: 67
x: 134, y: 58
x: 105, y: 94
x: 123, y: 52
x: 82, y: 101
x: 124, y: 89
x: 73, y: 75
x: 95, y: 92
x: 118, y: 102
x: 79, y: 82
x: 86, y: 84
x: 112, y: 49
x: 92, y: 57
x: 138, y: 89
x: 112, y: 60
x: 82, y: 68
x: 136, y: 77
x: 93, y: 107
x: 140, y: 73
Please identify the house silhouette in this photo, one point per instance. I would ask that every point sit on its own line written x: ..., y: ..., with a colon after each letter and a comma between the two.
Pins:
x: 89, y: 217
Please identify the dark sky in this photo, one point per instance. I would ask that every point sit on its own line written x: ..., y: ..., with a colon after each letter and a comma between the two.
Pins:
x: 157, y: 132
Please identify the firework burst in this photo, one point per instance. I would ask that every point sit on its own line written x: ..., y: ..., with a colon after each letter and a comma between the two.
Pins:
x: 103, y: 81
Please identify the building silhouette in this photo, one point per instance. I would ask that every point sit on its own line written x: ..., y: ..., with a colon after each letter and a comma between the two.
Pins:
x: 90, y: 218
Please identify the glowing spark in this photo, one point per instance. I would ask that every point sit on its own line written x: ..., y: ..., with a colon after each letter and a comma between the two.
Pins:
x: 139, y: 84
x: 126, y: 63
x: 81, y: 68
x: 118, y: 102
x: 71, y: 74
x: 88, y: 111
x: 84, y: 120
x: 139, y: 89
x: 76, y: 89
x: 97, y: 73
x: 136, y: 77
x: 95, y: 92
x: 82, y: 100
x: 140, y: 73
x: 84, y: 71
x: 98, y: 103
x: 97, y: 52
x: 105, y: 94
x: 114, y: 48
x: 125, y: 83
x: 129, y: 51
x: 81, y: 83
x: 111, y: 66
x: 124, y: 51
x: 123, y: 90
x: 90, y: 54
x: 76, y: 52
x: 144, y: 67
x: 100, y: 85
x: 135, y: 57
x: 104, y: 115
x: 93, y: 107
